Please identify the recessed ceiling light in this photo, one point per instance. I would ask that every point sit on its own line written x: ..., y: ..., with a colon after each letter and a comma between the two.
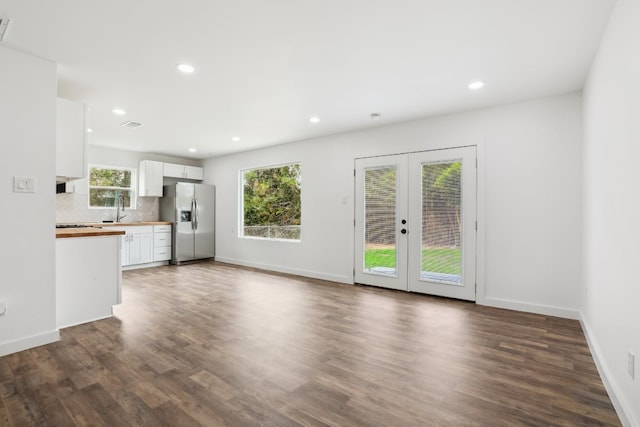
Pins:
x: 192, y: 150
x: 235, y: 139
x: 119, y: 111
x: 90, y: 130
x: 314, y: 120
x: 186, y: 68
x: 476, y: 85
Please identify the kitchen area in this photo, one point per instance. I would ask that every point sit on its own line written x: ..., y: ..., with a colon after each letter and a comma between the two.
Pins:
x: 118, y: 210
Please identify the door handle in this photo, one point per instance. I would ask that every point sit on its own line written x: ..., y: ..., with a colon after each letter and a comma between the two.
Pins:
x: 195, y: 212
x: 403, y: 231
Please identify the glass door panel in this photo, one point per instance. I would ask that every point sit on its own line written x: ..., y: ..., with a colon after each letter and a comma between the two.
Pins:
x: 441, y: 250
x: 381, y: 208
x: 380, y: 255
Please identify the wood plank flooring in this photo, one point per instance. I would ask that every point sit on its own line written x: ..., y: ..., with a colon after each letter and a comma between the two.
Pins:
x: 217, y: 345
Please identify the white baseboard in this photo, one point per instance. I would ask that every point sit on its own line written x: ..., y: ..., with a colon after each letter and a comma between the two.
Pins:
x: 619, y: 404
x: 30, y: 342
x: 288, y: 270
x: 147, y: 265
x: 567, y: 313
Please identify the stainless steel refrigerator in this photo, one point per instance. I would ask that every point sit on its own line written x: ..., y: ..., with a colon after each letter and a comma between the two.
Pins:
x: 191, y: 209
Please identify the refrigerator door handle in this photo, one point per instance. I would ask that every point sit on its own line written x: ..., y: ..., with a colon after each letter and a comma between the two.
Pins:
x: 195, y: 214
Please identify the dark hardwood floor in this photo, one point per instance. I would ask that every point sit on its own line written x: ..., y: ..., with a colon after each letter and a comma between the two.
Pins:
x: 212, y: 344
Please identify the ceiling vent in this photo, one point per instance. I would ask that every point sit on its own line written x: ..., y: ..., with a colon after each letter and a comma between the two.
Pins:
x: 130, y: 124
x: 4, y: 23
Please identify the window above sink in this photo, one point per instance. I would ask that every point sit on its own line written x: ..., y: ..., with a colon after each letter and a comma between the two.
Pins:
x: 107, y: 183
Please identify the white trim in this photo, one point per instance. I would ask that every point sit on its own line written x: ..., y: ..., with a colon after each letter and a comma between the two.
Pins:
x: 622, y: 408
x: 269, y: 239
x: 295, y: 271
x: 480, y: 218
x: 547, y: 310
x: 95, y: 319
x: 30, y: 342
x: 145, y: 265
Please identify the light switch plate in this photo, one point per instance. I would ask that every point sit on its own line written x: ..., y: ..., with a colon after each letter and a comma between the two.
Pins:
x: 631, y: 364
x: 24, y: 185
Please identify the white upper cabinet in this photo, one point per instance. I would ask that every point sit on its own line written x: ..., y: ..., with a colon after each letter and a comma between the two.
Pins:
x: 71, y: 140
x: 173, y: 170
x: 150, y: 178
x: 194, y: 172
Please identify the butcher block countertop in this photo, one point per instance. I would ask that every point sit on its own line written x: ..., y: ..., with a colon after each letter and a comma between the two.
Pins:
x: 129, y: 224
x: 85, y: 232
x: 92, y: 229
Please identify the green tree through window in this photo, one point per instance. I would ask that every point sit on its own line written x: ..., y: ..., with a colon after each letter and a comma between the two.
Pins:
x: 272, y: 203
x: 107, y: 183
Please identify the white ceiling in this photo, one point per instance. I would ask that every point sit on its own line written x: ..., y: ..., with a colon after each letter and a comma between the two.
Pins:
x: 263, y: 67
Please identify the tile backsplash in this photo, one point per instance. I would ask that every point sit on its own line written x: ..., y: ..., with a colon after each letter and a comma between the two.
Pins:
x: 73, y: 207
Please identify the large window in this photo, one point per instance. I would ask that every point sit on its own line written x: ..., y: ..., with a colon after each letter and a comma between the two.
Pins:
x: 271, y: 203
x: 108, y: 183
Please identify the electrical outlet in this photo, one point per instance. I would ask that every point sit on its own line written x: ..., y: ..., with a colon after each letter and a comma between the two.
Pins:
x: 631, y: 364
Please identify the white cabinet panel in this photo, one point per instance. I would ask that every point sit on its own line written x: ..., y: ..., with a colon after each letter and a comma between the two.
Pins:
x: 194, y: 172
x: 71, y: 139
x: 173, y: 170
x: 124, y: 250
x: 161, y: 242
x: 150, y: 178
x: 88, y: 279
x: 137, y: 244
x: 162, y: 254
x: 161, y: 239
x: 162, y: 228
x: 141, y: 248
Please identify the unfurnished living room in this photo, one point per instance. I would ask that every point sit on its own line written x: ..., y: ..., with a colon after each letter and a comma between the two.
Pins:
x: 320, y: 213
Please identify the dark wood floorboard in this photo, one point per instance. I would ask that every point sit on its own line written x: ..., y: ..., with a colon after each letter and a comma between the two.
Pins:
x: 217, y: 345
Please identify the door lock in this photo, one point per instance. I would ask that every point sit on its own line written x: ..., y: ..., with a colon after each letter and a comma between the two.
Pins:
x: 403, y: 231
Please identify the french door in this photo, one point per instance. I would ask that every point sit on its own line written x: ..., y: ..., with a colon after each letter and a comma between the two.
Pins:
x: 416, y: 222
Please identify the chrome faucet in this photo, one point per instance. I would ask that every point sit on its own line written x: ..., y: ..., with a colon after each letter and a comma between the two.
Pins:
x: 119, y: 204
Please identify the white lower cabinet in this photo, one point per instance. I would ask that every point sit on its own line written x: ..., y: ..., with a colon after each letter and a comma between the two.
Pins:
x: 140, y: 248
x: 161, y: 242
x: 143, y: 244
x: 137, y: 244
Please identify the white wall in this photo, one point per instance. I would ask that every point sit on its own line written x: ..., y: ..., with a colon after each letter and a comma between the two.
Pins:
x: 74, y: 206
x: 27, y: 147
x: 532, y: 198
x: 611, y: 310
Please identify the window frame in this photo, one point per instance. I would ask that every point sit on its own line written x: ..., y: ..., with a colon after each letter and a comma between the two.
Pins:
x: 241, y: 183
x: 133, y: 186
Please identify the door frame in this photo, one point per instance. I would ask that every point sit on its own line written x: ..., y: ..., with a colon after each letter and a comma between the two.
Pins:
x: 480, y: 211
